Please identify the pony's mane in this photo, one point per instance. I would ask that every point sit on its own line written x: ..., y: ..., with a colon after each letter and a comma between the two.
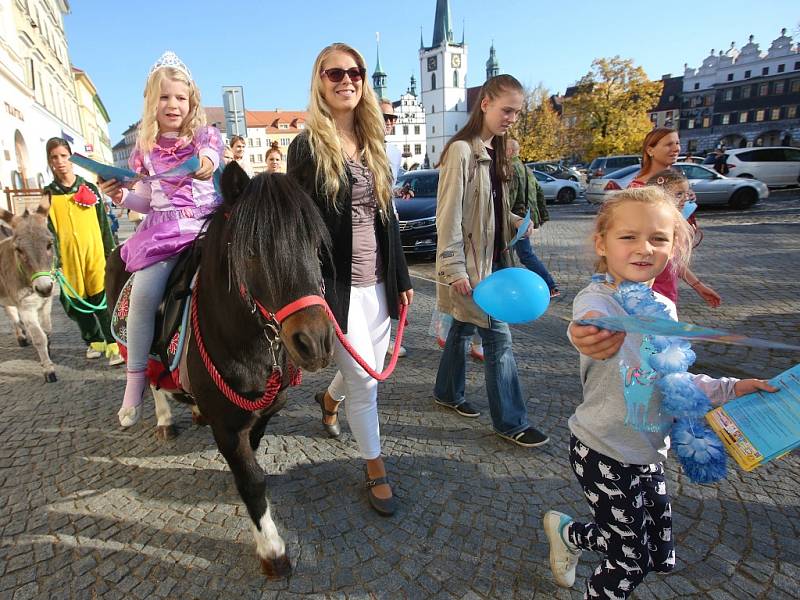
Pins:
x: 268, y: 231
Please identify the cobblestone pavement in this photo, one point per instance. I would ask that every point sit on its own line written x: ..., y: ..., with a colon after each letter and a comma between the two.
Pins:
x: 88, y: 510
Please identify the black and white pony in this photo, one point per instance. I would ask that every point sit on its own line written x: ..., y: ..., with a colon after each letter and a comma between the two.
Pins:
x: 260, y: 251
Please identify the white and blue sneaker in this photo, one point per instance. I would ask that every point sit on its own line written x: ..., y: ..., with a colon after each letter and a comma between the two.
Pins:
x: 563, y: 555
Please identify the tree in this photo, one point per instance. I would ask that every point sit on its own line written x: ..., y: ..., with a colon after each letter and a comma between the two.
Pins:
x: 611, y: 106
x: 538, y: 129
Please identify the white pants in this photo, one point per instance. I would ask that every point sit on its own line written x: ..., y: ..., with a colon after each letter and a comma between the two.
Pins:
x: 368, y: 332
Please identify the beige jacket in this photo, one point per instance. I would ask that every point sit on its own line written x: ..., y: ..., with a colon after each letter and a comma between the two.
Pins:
x: 465, y: 227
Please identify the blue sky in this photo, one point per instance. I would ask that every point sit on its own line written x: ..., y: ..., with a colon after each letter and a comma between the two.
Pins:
x: 269, y: 47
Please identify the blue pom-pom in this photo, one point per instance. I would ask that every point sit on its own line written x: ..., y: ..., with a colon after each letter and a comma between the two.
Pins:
x: 681, y: 397
x: 700, y: 451
x: 638, y: 299
x: 675, y: 357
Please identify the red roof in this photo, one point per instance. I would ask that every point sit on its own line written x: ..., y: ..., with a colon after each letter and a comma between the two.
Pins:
x: 269, y: 120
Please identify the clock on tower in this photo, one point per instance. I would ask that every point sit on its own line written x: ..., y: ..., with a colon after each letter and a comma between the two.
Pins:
x: 455, y: 61
x: 431, y: 63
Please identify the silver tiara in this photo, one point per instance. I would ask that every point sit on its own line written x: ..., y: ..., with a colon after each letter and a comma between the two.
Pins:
x: 170, y: 59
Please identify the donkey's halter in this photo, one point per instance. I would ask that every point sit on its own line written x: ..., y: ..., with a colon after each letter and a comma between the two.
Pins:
x: 37, y: 274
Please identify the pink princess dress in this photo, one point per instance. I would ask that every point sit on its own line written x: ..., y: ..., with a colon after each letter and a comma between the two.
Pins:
x: 175, y: 207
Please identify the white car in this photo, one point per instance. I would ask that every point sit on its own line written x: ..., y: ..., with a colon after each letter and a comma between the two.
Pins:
x: 561, y: 191
x: 777, y: 166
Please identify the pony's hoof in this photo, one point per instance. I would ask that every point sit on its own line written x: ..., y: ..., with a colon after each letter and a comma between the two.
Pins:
x: 199, y: 420
x: 166, y: 432
x: 23, y: 341
x: 276, y: 568
x: 50, y: 377
x: 129, y: 415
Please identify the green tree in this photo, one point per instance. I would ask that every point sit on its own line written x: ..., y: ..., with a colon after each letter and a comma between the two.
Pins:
x: 610, y: 107
x: 539, y: 129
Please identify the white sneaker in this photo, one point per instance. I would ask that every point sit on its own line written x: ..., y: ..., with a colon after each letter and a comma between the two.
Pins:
x: 390, y: 350
x: 129, y: 415
x: 563, y: 559
x: 92, y: 352
x: 114, y: 357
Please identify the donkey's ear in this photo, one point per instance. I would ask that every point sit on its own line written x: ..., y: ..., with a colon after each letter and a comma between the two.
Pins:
x: 44, y: 205
x: 233, y: 182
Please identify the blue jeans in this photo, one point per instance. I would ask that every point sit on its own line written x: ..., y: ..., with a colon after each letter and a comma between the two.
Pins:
x: 506, y: 403
x: 528, y: 258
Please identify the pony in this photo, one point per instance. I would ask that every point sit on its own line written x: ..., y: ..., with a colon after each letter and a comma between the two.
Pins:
x: 26, y: 280
x: 259, y: 251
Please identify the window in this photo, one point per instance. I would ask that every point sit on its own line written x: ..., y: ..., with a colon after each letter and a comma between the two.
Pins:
x: 765, y: 71
x: 433, y: 128
x: 697, y: 86
x: 726, y: 119
x: 258, y: 142
x: 406, y: 149
x: 763, y: 89
x: 417, y: 148
x: 252, y: 158
x: 781, y: 68
x: 433, y: 148
x: 693, y: 172
x: 797, y: 65
x: 405, y: 129
x: 455, y: 79
x: 433, y: 109
x: 746, y: 90
x: 792, y: 154
x: 778, y: 87
x: 690, y: 124
x: 728, y: 95
x: 286, y: 141
x: 747, y: 74
x: 455, y: 127
x: 730, y: 76
x: 795, y: 87
x: 791, y: 112
x: 250, y: 142
x: 283, y: 126
x: 416, y: 131
x: 433, y: 81
x: 775, y: 114
x: 760, y: 115
x: 708, y: 100
x: 706, y: 121
x: 260, y: 158
x: 743, y: 117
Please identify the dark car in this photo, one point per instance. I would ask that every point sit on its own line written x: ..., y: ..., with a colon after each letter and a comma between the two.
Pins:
x: 555, y: 169
x: 417, y: 215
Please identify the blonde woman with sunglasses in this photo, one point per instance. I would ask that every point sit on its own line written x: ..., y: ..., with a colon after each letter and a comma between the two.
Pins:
x: 341, y: 161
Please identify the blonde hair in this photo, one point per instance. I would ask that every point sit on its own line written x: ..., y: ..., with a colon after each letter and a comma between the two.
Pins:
x: 682, y: 235
x: 326, y: 148
x: 148, y: 129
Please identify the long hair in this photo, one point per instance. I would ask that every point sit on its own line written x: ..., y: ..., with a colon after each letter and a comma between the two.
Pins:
x: 492, y: 89
x: 683, y: 234
x: 148, y: 129
x: 651, y: 139
x: 326, y: 148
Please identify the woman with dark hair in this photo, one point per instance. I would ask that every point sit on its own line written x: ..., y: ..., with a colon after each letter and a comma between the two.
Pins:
x: 274, y: 158
x: 237, y: 147
x: 341, y: 162
x: 474, y: 225
x: 83, y: 239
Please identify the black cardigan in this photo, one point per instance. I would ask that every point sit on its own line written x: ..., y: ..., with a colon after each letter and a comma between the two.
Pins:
x: 337, y: 269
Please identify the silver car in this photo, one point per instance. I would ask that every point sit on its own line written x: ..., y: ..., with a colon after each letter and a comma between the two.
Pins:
x: 712, y: 188
x: 561, y: 191
x: 600, y: 187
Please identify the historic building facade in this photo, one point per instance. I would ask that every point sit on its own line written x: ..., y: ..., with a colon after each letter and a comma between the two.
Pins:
x: 409, y: 133
x: 743, y: 97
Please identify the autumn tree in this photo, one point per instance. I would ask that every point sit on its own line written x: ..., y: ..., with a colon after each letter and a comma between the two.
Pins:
x: 538, y: 129
x: 610, y: 107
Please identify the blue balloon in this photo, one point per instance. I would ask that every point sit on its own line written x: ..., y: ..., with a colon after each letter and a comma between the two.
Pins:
x: 513, y: 295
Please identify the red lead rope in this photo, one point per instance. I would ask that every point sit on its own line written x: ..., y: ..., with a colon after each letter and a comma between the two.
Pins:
x: 274, y: 381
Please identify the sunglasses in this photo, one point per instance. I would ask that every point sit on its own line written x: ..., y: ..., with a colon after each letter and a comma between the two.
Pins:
x: 388, y: 117
x: 336, y: 75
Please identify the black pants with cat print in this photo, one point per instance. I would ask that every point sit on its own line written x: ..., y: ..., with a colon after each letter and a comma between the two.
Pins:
x: 632, y: 523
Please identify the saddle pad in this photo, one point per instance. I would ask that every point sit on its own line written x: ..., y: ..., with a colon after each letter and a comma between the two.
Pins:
x: 176, y: 336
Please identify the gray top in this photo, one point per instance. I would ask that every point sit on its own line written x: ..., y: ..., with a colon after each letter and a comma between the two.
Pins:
x: 633, y: 431
x: 366, y: 266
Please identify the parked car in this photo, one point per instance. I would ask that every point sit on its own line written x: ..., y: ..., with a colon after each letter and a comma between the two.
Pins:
x: 776, y: 166
x: 709, y: 186
x: 698, y: 160
x: 605, y: 165
x: 417, y: 215
x: 600, y: 187
x: 555, y: 169
x: 712, y: 188
x: 562, y: 191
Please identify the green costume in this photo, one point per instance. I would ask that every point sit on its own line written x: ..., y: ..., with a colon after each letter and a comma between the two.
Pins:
x: 524, y: 192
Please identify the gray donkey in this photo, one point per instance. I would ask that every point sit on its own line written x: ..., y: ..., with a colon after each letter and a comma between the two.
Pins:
x: 26, y: 282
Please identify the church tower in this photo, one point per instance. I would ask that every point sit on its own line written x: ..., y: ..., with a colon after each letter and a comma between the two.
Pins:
x: 379, y: 77
x: 492, y: 66
x: 443, y: 70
